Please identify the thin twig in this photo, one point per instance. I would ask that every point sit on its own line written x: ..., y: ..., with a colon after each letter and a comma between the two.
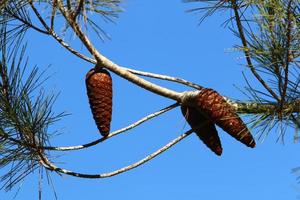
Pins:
x: 90, y: 144
x: 40, y: 18
x: 135, y: 124
x: 239, y: 107
x: 102, y: 61
x: 77, y: 12
x: 53, y: 14
x: 165, y: 77
x: 50, y: 166
x: 91, y: 60
x: 28, y: 23
x: 246, y: 50
x: 274, y: 59
x: 69, y: 6
x: 5, y: 84
x: 288, y: 53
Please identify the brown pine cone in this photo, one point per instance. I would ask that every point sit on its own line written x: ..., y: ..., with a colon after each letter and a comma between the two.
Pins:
x: 204, y: 128
x: 99, y: 91
x: 213, y: 105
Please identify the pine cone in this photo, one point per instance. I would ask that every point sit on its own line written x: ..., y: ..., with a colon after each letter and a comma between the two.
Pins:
x: 213, y: 105
x: 204, y: 128
x: 99, y: 91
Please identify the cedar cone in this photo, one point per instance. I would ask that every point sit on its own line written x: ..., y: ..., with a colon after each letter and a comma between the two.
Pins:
x: 214, y: 106
x: 99, y: 91
x: 204, y: 128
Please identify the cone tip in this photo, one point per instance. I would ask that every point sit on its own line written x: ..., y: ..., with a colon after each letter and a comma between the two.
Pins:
x: 252, y: 144
x: 104, y: 133
x: 218, y: 151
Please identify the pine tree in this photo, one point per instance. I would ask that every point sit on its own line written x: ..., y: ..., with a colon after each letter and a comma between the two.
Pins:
x: 269, y: 35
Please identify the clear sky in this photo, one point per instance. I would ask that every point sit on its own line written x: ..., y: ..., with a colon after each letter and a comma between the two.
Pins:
x: 160, y: 37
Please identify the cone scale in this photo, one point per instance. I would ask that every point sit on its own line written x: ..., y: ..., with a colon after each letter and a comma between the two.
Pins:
x: 204, y: 128
x: 215, y: 107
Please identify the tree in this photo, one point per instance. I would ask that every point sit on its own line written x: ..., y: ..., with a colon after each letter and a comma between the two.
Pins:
x: 271, y: 50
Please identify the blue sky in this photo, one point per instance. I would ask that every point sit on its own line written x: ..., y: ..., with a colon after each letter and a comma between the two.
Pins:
x: 160, y: 37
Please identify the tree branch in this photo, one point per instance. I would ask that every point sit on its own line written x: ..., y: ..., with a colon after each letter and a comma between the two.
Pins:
x: 165, y: 77
x: 102, y: 61
x: 135, y: 124
x: 288, y: 53
x: 263, y: 108
x: 50, y: 166
x: 137, y: 72
x: 246, y: 50
x: 53, y: 13
x: 240, y: 107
